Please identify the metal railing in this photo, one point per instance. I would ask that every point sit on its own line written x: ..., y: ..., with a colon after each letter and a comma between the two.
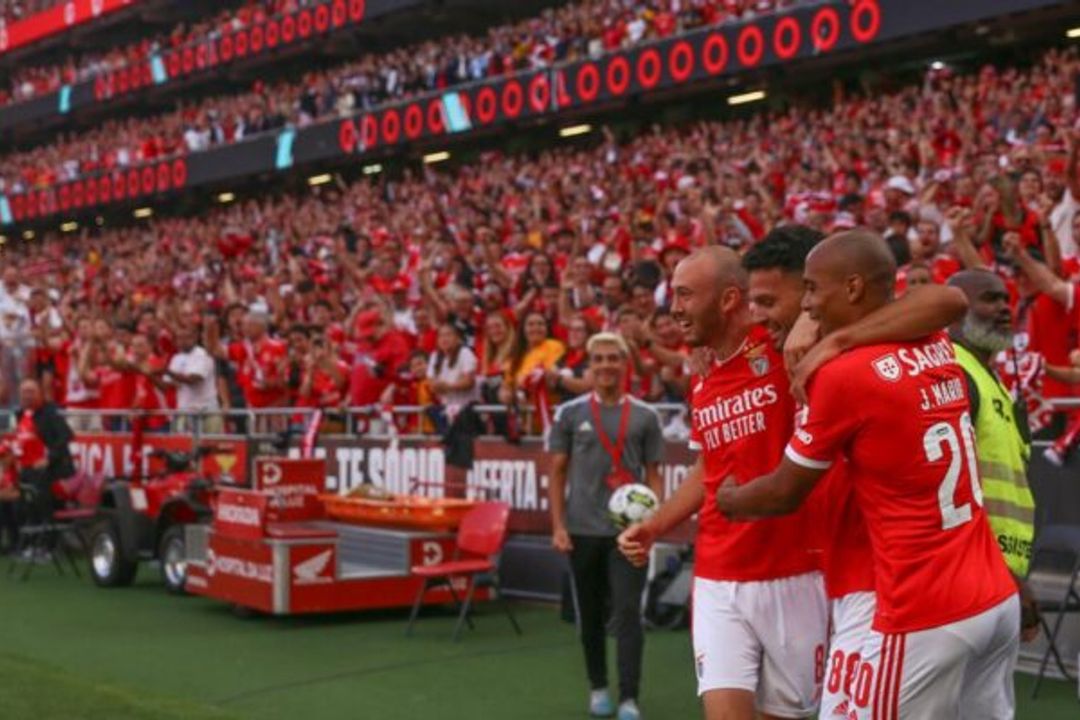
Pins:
x: 367, y: 420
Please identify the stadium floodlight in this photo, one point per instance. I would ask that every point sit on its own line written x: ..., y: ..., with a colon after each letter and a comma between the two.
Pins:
x: 436, y: 157
x: 28, y: 234
x: 319, y: 179
x: 70, y: 226
x: 1073, y: 33
x: 143, y: 212
x: 937, y: 65
x: 575, y: 130
x: 226, y: 197
x: 373, y: 169
x: 747, y: 97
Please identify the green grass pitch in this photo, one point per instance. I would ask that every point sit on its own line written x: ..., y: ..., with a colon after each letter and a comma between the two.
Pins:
x: 69, y: 651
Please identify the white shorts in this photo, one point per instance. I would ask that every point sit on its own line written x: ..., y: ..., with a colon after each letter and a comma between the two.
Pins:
x: 767, y: 637
x: 852, y: 618
x: 961, y: 670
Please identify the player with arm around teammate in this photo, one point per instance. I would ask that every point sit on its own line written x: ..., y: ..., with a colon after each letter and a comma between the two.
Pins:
x: 775, y: 272
x: 947, y: 623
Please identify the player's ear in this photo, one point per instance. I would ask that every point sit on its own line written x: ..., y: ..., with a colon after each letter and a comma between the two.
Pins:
x: 731, y: 297
x: 855, y: 286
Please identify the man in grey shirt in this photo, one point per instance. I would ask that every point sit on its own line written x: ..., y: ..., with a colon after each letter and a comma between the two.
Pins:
x: 599, y: 441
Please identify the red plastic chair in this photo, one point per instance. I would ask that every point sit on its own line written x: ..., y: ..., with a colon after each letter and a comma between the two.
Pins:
x: 479, y: 541
x: 77, y: 499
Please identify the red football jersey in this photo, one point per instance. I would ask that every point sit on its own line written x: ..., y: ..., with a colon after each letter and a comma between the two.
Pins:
x: 258, y: 364
x: 847, y: 562
x: 117, y: 387
x: 742, y: 414
x: 899, y: 414
x: 29, y: 449
x: 1053, y: 333
x: 326, y: 392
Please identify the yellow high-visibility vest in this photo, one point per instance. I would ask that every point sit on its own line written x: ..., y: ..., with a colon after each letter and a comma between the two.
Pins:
x: 1003, y: 456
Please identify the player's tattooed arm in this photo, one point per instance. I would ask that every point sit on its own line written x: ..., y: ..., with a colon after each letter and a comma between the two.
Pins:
x: 779, y: 493
x: 921, y: 311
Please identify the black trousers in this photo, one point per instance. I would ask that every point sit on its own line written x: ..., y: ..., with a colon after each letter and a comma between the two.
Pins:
x: 43, y: 504
x: 9, y: 525
x: 604, y: 578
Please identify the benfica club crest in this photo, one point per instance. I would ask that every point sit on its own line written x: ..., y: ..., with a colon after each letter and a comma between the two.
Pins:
x: 758, y: 360
x: 759, y: 365
x: 888, y: 368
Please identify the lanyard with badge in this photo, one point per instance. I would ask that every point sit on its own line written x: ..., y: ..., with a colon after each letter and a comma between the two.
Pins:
x: 619, y: 475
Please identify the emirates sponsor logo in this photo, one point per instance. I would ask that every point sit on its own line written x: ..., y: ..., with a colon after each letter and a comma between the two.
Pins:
x: 733, y: 406
x: 734, y: 417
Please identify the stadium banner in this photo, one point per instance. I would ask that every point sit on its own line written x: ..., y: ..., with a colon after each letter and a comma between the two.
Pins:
x: 113, y: 454
x: 55, y: 20
x: 275, y: 34
x: 697, y: 56
x: 516, y: 474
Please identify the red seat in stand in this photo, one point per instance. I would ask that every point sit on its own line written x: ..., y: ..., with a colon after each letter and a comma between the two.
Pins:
x: 480, y: 540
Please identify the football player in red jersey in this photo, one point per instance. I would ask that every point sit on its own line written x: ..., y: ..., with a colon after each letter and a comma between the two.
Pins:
x: 775, y: 271
x: 760, y: 617
x: 946, y: 627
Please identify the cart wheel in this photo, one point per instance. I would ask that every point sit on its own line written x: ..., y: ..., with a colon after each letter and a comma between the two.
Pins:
x: 173, y: 556
x: 108, y: 566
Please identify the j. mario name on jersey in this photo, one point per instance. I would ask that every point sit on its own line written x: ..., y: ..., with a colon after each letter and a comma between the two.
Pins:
x: 732, y: 417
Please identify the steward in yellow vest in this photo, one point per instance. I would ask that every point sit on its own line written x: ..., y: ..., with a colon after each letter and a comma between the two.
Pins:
x: 1001, y: 430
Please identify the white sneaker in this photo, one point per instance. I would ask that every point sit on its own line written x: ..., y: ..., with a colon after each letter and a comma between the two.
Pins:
x: 628, y: 710
x: 1053, y: 457
x: 600, y: 704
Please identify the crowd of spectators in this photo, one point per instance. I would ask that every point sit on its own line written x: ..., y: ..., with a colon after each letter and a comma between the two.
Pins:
x: 580, y: 29
x: 29, y: 81
x: 15, y: 10
x: 482, y: 283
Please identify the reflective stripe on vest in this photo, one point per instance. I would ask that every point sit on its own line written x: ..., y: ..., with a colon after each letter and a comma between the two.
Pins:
x: 1003, y: 455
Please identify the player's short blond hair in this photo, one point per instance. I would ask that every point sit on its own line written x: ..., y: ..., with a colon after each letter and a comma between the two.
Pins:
x: 608, y: 338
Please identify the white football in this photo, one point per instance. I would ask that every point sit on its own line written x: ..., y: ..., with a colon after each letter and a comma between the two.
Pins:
x: 632, y: 503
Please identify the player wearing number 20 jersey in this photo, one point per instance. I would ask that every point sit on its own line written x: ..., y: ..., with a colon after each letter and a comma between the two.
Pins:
x: 946, y: 621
